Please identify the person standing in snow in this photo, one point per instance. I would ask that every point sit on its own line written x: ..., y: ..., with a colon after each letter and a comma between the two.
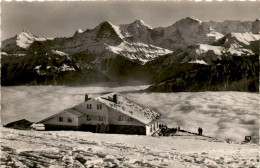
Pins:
x: 200, y: 130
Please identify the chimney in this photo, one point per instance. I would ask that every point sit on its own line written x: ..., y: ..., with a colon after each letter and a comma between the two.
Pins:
x: 115, y: 98
x: 86, y: 97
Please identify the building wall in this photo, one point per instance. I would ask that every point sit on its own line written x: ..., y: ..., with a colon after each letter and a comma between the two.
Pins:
x: 154, y: 125
x: 65, y: 115
x: 113, y: 118
x: 94, y: 119
x: 94, y: 109
x: 93, y: 113
x: 124, y: 122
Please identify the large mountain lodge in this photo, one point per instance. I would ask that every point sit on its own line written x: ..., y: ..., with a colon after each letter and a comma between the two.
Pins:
x: 110, y: 113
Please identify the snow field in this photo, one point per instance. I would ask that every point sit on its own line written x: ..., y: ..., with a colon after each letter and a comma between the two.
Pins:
x: 84, y: 149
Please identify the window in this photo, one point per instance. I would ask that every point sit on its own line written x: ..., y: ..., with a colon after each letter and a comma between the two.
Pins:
x: 100, y: 118
x: 157, y: 124
x: 151, y: 129
x: 69, y: 120
x: 89, y: 106
x: 99, y: 106
x: 60, y: 119
x: 89, y: 117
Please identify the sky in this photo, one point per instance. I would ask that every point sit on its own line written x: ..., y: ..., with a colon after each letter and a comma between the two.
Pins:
x: 62, y: 19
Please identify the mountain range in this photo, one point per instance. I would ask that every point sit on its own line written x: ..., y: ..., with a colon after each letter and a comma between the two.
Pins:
x: 124, y: 53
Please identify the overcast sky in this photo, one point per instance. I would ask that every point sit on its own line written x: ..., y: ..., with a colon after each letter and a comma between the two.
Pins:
x: 59, y: 19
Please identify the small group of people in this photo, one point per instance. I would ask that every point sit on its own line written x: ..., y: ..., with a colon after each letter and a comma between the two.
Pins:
x: 163, y: 128
x: 200, y: 130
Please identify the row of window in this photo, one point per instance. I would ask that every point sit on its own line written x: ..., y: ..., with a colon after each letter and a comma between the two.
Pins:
x: 122, y: 117
x: 61, y: 119
x: 96, y: 118
x: 154, y: 126
x: 99, y: 106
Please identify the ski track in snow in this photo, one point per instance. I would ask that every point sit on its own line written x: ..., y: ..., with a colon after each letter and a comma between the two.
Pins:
x: 83, y: 149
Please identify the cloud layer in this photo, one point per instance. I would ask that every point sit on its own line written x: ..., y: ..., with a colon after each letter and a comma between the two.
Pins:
x: 225, y: 115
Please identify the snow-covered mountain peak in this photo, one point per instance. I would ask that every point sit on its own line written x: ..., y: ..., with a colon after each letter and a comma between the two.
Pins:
x: 141, y: 23
x: 190, y: 20
x: 25, y: 33
x: 106, y: 25
x: 26, y: 38
x: 80, y: 31
x: 195, y: 19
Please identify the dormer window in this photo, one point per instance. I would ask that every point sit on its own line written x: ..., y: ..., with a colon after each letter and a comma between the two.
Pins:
x: 99, y: 106
x: 89, y: 106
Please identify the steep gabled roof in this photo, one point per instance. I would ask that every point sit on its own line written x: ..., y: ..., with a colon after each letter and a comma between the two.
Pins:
x: 130, y: 108
x: 69, y: 110
x: 123, y: 105
x: 75, y: 112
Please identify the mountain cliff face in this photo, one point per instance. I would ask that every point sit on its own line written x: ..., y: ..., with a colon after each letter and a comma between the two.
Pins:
x: 185, y: 32
x: 236, y: 44
x: 229, y: 74
x: 121, y: 53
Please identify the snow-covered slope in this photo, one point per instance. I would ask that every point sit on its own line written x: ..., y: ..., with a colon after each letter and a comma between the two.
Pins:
x: 230, y: 26
x: 59, y: 53
x: 55, y: 62
x: 238, y: 44
x: 23, y: 40
x: 242, y: 39
x: 109, y: 37
x: 84, y: 149
x: 138, y: 51
x: 138, y: 31
x: 200, y: 54
x: 185, y: 32
x: 108, y: 46
x: 139, y: 41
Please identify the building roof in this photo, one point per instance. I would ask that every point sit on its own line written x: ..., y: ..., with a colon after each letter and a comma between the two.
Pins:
x: 123, y: 105
x: 130, y: 108
x: 69, y: 110
x: 75, y: 112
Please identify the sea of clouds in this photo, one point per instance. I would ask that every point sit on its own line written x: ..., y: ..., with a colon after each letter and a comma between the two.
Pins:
x: 225, y: 115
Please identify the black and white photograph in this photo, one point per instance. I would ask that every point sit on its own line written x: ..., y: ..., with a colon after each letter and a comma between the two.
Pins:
x: 129, y: 84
